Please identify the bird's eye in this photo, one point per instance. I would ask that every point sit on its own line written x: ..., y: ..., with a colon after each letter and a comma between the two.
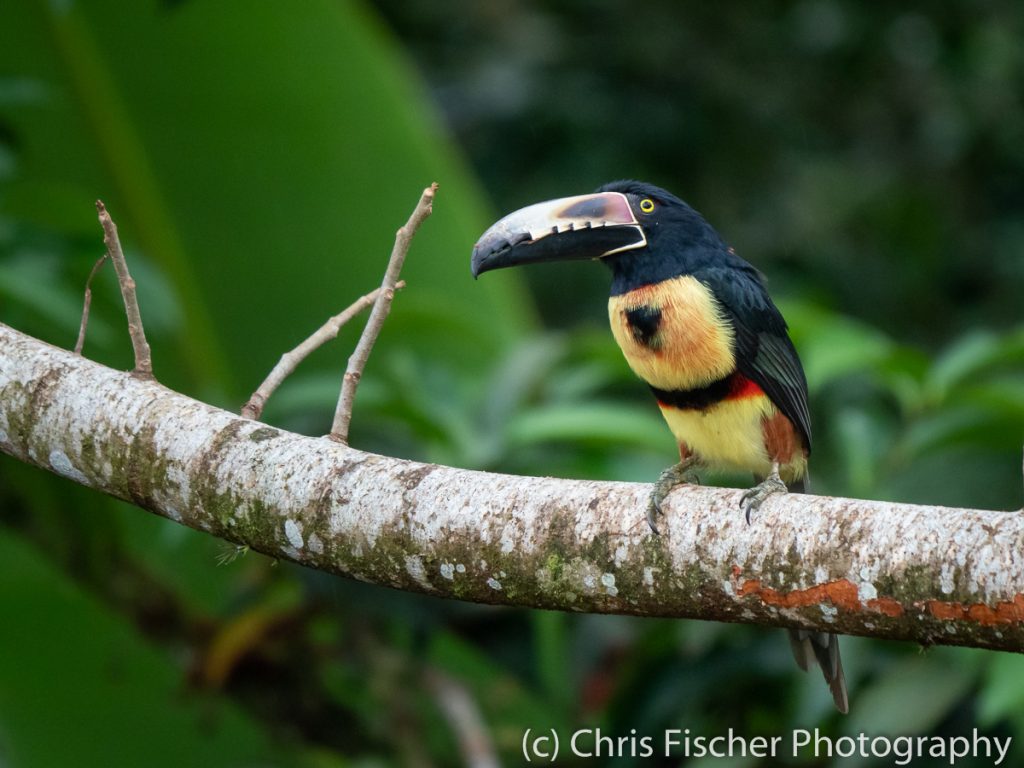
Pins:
x: 647, y: 205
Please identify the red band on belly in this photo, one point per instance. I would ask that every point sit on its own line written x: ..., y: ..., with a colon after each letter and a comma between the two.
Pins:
x: 733, y: 387
x: 742, y: 387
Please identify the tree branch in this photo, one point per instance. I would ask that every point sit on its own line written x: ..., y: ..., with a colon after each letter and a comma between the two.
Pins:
x: 463, y: 715
x: 87, y: 304
x: 926, y: 574
x: 290, y: 360
x: 379, y: 313
x: 143, y: 358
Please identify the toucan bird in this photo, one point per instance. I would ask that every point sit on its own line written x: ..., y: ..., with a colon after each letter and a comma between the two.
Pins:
x: 695, y: 322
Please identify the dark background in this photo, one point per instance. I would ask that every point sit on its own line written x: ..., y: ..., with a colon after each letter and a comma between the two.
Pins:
x: 869, y: 159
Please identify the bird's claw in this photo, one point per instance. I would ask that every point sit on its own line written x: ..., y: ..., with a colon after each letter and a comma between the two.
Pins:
x: 653, y: 513
x: 752, y: 499
x: 683, y: 472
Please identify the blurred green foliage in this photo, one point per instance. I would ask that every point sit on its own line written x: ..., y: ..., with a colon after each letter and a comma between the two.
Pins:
x: 258, y: 159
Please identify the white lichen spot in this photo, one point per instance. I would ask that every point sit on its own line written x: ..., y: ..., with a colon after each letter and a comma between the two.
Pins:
x: 951, y: 629
x: 493, y: 583
x: 621, y: 553
x: 869, y: 624
x: 3, y: 436
x: 748, y: 614
x: 293, y: 532
x: 946, y: 578
x: 173, y: 514
x: 866, y: 591
x: 608, y: 582
x: 414, y: 567
x: 357, y: 550
x: 291, y: 552
x: 727, y: 588
x: 589, y: 582
x: 315, y: 545
x: 62, y: 466
x: 460, y: 568
x: 508, y: 544
x: 999, y: 634
x: 828, y: 612
x: 648, y: 576
x: 502, y: 574
x: 792, y: 614
x: 820, y: 575
x: 448, y: 571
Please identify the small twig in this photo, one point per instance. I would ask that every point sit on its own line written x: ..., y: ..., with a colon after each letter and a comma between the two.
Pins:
x: 381, y: 307
x: 463, y: 716
x: 87, y: 303
x: 143, y: 359
x: 290, y: 360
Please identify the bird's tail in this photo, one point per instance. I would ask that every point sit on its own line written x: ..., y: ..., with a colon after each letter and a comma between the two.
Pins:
x: 822, y: 647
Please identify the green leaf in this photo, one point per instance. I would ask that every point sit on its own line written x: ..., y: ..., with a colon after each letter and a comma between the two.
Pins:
x: 262, y: 157
x: 509, y: 707
x: 831, y: 345
x: 1002, y: 695
x: 970, y: 357
x: 914, y: 694
x: 80, y: 687
x: 598, y: 422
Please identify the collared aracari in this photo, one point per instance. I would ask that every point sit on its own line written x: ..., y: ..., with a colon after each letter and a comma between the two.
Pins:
x: 695, y: 322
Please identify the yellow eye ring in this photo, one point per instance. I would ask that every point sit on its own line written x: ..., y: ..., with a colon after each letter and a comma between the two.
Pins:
x: 646, y: 205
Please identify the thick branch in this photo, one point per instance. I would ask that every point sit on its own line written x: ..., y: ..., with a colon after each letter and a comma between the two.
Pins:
x: 379, y: 313
x: 927, y: 574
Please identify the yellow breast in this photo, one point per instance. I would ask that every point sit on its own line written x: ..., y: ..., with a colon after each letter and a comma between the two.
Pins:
x: 693, y: 342
x: 726, y: 435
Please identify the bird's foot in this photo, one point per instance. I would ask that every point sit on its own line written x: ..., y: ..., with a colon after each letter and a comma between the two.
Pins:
x: 683, y: 472
x: 752, y: 500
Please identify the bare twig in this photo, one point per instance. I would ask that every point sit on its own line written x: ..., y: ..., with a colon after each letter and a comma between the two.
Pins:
x: 464, y: 717
x: 143, y: 359
x: 381, y: 307
x: 87, y: 302
x: 290, y: 360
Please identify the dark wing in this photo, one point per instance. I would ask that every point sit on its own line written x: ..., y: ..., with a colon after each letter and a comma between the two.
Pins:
x: 764, y: 352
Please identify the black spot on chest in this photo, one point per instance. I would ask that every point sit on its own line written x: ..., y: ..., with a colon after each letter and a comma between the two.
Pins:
x: 644, y: 322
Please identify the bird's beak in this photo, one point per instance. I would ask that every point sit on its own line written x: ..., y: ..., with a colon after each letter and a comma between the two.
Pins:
x: 582, y: 227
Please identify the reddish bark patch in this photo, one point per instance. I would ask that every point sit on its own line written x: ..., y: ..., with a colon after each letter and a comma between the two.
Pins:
x: 887, y: 605
x: 841, y: 593
x: 1006, y: 612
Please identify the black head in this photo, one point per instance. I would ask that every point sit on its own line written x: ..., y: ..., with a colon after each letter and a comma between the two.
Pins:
x: 641, y: 232
x: 679, y: 240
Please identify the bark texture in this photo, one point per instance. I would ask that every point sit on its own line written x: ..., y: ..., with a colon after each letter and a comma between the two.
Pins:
x: 927, y: 574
